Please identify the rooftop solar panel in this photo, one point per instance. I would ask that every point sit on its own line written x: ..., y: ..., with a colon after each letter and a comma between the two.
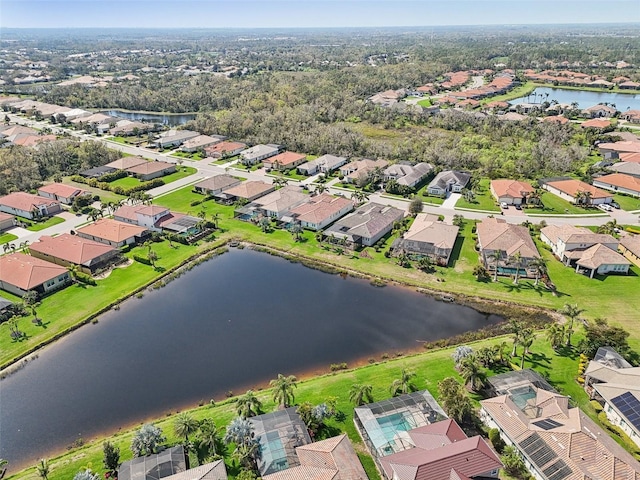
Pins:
x: 629, y: 406
x: 547, y: 424
x: 557, y: 471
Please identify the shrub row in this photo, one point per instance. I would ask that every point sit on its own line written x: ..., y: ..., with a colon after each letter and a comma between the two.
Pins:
x: 140, y: 259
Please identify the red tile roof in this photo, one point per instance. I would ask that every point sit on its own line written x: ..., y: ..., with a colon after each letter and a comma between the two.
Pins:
x: 511, y: 188
x: 596, y: 123
x: 621, y: 180
x: 286, y: 158
x: 27, y: 272
x: 112, y: 230
x: 71, y: 248
x: 25, y: 201
x: 572, y: 187
x: 62, y: 190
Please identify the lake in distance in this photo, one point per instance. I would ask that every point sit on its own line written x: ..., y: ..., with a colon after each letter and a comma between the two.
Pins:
x: 231, y: 323
x: 171, y: 120
x: 585, y: 98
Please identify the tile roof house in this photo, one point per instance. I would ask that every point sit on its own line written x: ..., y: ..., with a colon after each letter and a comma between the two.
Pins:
x: 556, y: 441
x: 112, y: 232
x: 511, y: 192
x: 276, y: 204
x: 496, y: 236
x: 67, y: 250
x: 359, y: 169
x: 448, y: 181
x: 596, y: 123
x: 599, y: 111
x: 574, y: 190
x: 630, y: 247
x: 200, y: 142
x: 157, y: 219
x: 284, y: 161
x: 320, y: 211
x: 602, y: 260
x: 209, y: 471
x: 224, y: 149
x: 630, y: 157
x: 63, y: 193
x: 97, y: 172
x: 364, y: 227
x: 619, y: 147
x: 29, y: 206
x: 125, y: 163
x: 257, y: 154
x: 330, y: 459
x: 216, y: 184
x: 20, y: 273
x: 246, y: 191
x: 428, y: 237
x: 7, y: 221
x: 442, y: 451
x: 618, y: 182
x: 626, y: 168
x: 174, y: 138
x: 150, y: 170
x: 323, y: 164
x: 407, y: 175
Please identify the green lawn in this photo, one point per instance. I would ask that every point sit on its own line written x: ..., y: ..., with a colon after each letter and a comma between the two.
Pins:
x: 483, y: 200
x: 425, y: 102
x: 181, y: 172
x: 293, y: 174
x: 188, y: 156
x: 251, y: 168
x: 554, y: 205
x: 7, y: 237
x: 104, y: 195
x: 49, y: 222
x: 512, y: 94
x: 626, y: 202
x: 125, y: 182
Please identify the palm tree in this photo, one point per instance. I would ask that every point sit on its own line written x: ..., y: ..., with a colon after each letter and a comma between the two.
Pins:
x: 494, y: 257
x: 608, y: 228
x: 6, y: 247
x: 43, y: 469
x: 572, y: 312
x: 403, y: 384
x: 214, y: 219
x: 208, y: 435
x: 248, y: 405
x: 579, y: 197
x: 359, y: 394
x: 296, y: 230
x: 152, y: 257
x: 555, y: 335
x: 539, y: 265
x: 515, y: 328
x: 3, y: 468
x: 184, y: 425
x: 472, y: 373
x: 527, y: 336
x: 320, y: 189
x: 359, y: 197
x: 587, y: 198
x: 283, y: 389
x: 516, y: 259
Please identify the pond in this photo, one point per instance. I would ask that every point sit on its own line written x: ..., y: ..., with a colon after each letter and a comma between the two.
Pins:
x: 585, y: 99
x: 232, y: 323
x: 170, y: 119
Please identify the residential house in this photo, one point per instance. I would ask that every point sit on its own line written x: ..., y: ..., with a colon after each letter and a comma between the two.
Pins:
x: 511, y: 192
x: 578, y: 192
x: 29, y: 206
x: 596, y: 123
x: 428, y: 237
x: 125, y: 128
x: 157, y: 219
x: 388, y: 97
x: 97, y: 172
x: 67, y: 250
x: 258, y: 153
x: 174, y: 138
x: 630, y: 157
x: 630, y: 247
x: 631, y: 116
x: 621, y: 183
x: 20, y: 273
x: 126, y: 163
x: 320, y: 211
x: 224, y: 149
x: 209, y: 471
x: 613, y: 150
x: 613, y: 382
x: 364, y: 227
x: 599, y: 111
x: 556, y: 441
x: 626, y: 168
x: 246, y: 192
x: 279, y: 433
x: 323, y: 164
x: 25, y: 140
x: 63, y: 193
x: 407, y: 175
x: 359, y: 170
x: 332, y: 458
x: 586, y: 250
x: 200, y: 142
x: 276, y: 204
x: 629, y: 85
x: 216, y: 184
x: 113, y: 232
x: 7, y: 221
x: 150, y: 170
x: 507, y: 241
x: 284, y: 161
x: 442, y: 451
x: 448, y: 181
x: 164, y: 464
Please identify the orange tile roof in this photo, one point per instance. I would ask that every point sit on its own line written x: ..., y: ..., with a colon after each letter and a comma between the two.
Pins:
x: 224, y: 147
x: 556, y: 119
x: 630, y: 157
x: 621, y: 180
x: 62, y: 190
x: 596, y: 123
x: 286, y: 158
x: 71, y: 248
x: 320, y: 208
x: 249, y: 189
x: 5, y: 216
x: 112, y: 230
x: 572, y: 187
x: 27, y: 272
x: 25, y: 201
x: 511, y: 188
x: 126, y: 162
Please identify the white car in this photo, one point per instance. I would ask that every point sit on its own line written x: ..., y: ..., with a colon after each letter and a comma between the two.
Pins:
x: 504, y: 205
x: 605, y: 207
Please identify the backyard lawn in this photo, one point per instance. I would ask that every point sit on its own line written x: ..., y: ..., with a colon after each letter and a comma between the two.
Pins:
x: 182, y: 172
x: 425, y: 103
x: 7, y: 237
x: 554, y: 205
x: 626, y: 202
x: 104, y: 195
x: 49, y: 222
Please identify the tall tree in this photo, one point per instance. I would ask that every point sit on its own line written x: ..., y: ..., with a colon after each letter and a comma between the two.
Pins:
x: 572, y: 312
x: 404, y: 384
x: 43, y: 469
x: 208, y: 436
x: 147, y: 440
x: 184, y: 425
x: 248, y: 405
x: 527, y: 336
x: 472, y: 373
x: 516, y: 259
x: 454, y: 399
x: 110, y: 457
x: 359, y: 394
x: 539, y: 265
x: 494, y: 257
x: 555, y: 335
x: 283, y: 389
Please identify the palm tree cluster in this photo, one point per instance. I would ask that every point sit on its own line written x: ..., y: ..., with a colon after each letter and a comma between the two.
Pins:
x: 283, y: 390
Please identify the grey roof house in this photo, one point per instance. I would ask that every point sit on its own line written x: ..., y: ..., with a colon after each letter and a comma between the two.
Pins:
x: 323, y: 164
x: 174, y: 138
x: 216, y: 184
x: 364, y: 227
x: 407, y: 175
x: 428, y: 237
x: 258, y: 153
x: 448, y: 181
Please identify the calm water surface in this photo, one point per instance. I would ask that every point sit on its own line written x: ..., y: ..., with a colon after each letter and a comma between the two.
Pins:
x: 172, y: 120
x: 585, y: 99
x: 233, y: 322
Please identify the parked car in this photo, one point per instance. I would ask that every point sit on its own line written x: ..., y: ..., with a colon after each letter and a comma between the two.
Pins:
x: 518, y: 207
x: 615, y: 205
x: 605, y: 207
x: 504, y: 205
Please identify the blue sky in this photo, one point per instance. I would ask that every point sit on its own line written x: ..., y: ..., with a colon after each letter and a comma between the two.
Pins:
x: 309, y: 13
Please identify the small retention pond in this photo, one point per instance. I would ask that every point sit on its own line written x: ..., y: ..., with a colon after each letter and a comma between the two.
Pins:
x: 231, y: 323
x: 585, y: 98
x: 172, y: 120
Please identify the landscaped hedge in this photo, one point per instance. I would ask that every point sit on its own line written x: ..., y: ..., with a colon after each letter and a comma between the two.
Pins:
x: 144, y: 186
x: 140, y: 259
x: 111, y: 177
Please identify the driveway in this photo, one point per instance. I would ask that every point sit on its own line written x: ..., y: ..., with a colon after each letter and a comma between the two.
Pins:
x: 451, y: 201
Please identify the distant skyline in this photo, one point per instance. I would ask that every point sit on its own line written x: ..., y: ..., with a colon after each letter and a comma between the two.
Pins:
x: 309, y: 13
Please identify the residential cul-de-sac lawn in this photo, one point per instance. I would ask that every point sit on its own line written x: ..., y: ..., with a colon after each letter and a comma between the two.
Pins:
x: 554, y: 205
x: 49, y: 222
x: 483, y: 199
